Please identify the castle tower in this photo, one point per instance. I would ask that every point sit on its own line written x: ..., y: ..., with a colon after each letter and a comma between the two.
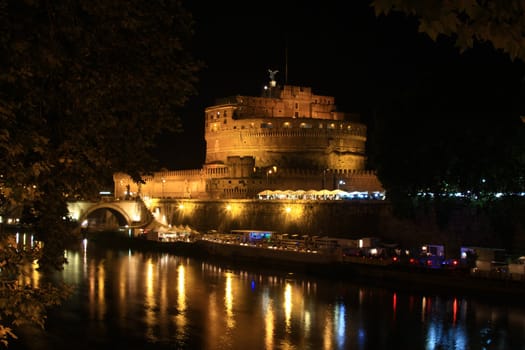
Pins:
x: 288, y: 127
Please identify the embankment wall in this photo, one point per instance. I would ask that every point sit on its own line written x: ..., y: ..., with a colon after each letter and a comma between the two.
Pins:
x: 349, y: 219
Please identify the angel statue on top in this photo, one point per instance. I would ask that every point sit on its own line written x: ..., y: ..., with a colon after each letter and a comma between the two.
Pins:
x: 272, y: 74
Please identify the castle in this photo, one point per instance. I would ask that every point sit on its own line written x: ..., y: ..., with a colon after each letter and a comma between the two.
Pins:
x: 287, y: 139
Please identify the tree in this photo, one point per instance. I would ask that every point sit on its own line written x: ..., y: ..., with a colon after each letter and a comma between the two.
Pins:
x: 423, y: 146
x: 500, y: 23
x: 431, y: 158
x: 85, y: 88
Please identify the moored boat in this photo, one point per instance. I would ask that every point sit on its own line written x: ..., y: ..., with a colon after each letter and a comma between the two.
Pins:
x: 266, y: 252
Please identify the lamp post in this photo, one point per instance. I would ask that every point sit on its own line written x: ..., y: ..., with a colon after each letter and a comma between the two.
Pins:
x: 270, y: 171
x: 163, y: 182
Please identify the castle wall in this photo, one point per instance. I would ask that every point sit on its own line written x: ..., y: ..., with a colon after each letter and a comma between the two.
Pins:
x: 287, y: 147
x: 241, y: 180
x: 333, y: 218
x: 345, y: 219
x: 165, y: 184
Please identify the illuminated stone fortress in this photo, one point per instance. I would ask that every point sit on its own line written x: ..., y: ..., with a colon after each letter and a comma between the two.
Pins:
x: 286, y: 139
x: 289, y: 127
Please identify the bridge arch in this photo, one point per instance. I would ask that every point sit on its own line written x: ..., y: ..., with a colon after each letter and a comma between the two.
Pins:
x: 121, y: 216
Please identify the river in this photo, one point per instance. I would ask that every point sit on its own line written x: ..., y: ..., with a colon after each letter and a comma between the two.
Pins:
x: 129, y: 299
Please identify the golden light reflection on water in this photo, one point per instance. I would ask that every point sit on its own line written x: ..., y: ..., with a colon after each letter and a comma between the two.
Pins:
x: 269, y: 321
x: 150, y: 302
x: 125, y: 273
x: 101, y: 299
x: 228, y: 302
x: 307, y: 322
x: 180, y: 319
x: 328, y: 330
x: 423, y: 307
x: 181, y: 289
x: 165, y: 298
x: 288, y: 306
x: 96, y: 287
x: 170, y: 299
x: 213, y: 317
x: 84, y: 251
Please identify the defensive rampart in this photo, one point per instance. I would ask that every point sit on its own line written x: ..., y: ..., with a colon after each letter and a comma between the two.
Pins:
x: 348, y: 219
x: 338, y: 148
x: 242, y: 181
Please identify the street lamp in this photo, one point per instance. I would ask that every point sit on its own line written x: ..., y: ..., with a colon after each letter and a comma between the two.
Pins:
x: 163, y: 182
x: 270, y: 171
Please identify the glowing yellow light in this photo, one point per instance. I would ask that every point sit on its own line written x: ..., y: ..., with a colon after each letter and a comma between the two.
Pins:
x: 269, y: 320
x: 181, y: 288
x: 228, y: 301
x: 181, y: 206
x: 294, y: 212
x: 150, y: 297
x: 233, y: 210
x: 288, y: 305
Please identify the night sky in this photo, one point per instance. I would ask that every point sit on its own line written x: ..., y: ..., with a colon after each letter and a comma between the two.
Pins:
x: 341, y: 49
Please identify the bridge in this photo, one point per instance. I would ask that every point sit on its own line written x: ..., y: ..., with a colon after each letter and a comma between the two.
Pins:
x: 108, y: 214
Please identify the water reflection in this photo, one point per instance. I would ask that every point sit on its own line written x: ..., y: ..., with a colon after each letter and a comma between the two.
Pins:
x: 168, y: 301
x: 269, y: 320
x: 180, y: 319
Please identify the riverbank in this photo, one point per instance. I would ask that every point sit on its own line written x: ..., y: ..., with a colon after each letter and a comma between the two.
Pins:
x: 398, y: 277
